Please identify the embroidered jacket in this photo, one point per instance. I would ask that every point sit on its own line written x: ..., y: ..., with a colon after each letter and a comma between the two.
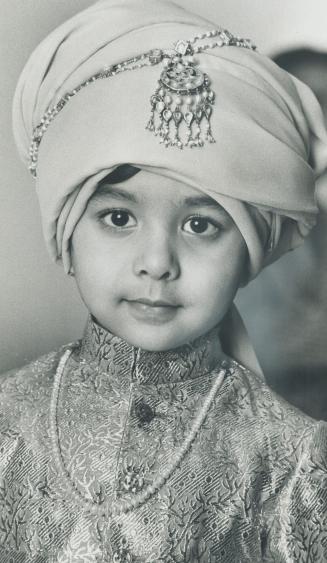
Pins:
x: 251, y: 487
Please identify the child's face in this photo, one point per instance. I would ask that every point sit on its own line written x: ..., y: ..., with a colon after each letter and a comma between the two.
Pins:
x: 156, y: 262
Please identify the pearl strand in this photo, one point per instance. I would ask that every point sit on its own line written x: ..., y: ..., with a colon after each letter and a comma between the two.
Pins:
x: 121, y: 506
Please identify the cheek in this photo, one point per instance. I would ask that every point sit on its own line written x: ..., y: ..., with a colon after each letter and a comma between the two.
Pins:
x: 217, y: 274
x: 90, y: 251
x: 92, y: 261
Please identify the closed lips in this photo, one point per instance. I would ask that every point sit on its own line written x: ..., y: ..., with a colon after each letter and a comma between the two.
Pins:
x: 157, y: 303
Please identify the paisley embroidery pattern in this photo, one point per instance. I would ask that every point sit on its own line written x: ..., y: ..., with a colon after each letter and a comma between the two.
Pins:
x: 252, y: 488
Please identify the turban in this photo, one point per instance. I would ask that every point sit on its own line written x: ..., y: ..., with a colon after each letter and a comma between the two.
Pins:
x: 267, y: 126
x: 265, y: 122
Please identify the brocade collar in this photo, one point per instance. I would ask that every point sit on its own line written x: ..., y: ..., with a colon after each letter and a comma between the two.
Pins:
x: 106, y: 352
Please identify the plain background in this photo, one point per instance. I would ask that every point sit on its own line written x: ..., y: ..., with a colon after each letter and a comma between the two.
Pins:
x: 39, y: 306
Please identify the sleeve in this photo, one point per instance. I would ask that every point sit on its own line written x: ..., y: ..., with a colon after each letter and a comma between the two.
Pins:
x: 298, y: 531
x: 9, y: 496
x: 8, y: 433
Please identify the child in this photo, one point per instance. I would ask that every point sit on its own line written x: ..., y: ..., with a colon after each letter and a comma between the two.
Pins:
x: 155, y: 438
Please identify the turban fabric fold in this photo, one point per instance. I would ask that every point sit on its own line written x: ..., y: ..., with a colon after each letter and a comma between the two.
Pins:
x: 267, y: 126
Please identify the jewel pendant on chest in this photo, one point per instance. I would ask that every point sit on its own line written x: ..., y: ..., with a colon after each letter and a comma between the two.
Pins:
x: 182, y: 103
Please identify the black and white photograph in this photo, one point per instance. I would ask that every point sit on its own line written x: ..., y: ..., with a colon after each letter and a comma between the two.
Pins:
x: 163, y: 281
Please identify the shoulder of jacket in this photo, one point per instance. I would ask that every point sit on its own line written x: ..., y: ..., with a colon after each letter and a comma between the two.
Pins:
x: 26, y: 390
x: 272, y: 411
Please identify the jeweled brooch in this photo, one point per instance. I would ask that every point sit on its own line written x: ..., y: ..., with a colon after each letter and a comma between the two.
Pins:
x: 181, y: 106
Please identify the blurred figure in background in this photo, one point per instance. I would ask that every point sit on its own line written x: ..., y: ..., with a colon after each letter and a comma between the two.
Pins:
x: 294, y: 354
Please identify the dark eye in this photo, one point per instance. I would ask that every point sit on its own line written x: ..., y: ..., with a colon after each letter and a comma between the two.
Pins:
x: 200, y: 225
x: 119, y: 218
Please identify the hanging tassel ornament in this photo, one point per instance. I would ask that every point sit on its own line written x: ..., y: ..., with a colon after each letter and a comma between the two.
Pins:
x: 181, y: 107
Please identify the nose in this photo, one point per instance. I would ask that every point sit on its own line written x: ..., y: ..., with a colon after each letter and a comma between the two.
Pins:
x: 157, y: 258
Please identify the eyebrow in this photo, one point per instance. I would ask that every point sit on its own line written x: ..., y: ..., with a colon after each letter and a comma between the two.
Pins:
x: 114, y: 192
x: 192, y: 201
x: 202, y: 201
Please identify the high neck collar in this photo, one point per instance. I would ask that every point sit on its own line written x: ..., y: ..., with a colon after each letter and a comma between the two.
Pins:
x: 109, y: 353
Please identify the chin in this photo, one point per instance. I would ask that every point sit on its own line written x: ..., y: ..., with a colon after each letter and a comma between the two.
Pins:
x: 154, y: 344
x: 154, y: 341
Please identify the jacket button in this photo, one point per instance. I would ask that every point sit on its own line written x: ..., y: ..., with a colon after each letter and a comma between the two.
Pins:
x: 143, y: 412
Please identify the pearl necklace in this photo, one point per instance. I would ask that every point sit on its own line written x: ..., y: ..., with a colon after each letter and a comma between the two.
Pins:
x: 121, y: 506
